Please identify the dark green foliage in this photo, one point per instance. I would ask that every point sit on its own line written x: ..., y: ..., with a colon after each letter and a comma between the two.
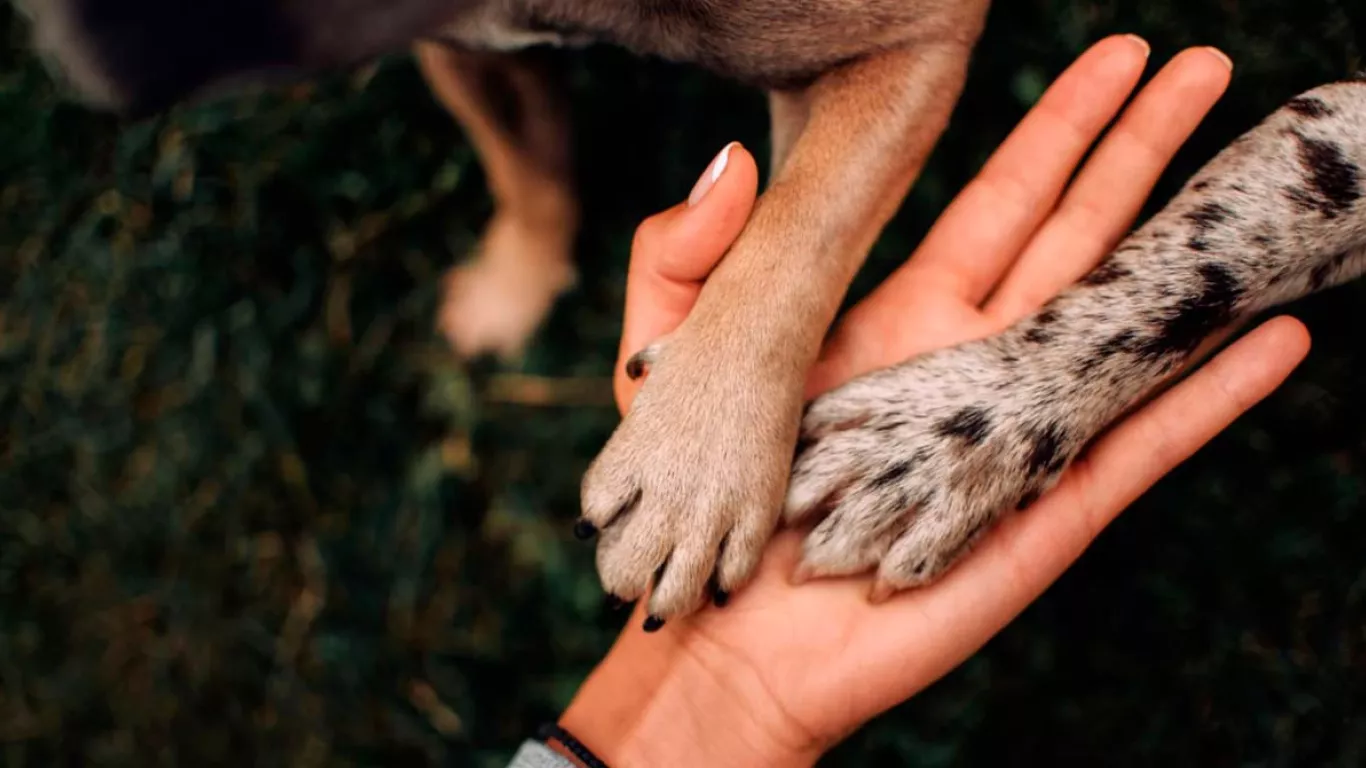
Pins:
x: 250, y: 511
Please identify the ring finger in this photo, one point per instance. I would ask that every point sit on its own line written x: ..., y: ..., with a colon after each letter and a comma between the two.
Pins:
x: 1112, y: 187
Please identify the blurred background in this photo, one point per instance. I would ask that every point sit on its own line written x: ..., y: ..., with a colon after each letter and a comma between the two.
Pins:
x: 251, y: 510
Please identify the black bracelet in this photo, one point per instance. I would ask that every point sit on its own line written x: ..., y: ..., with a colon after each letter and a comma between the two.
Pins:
x: 554, y: 731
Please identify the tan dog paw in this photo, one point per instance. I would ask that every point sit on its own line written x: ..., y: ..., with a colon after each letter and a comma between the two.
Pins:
x: 497, y: 301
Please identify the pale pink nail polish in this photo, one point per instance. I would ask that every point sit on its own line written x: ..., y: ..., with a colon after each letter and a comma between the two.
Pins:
x: 711, y: 175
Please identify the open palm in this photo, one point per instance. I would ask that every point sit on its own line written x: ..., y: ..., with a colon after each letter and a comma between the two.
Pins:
x: 813, y: 662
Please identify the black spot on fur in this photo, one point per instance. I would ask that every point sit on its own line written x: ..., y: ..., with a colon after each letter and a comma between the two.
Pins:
x: 1122, y: 342
x: 1303, y: 200
x: 1309, y: 106
x: 972, y: 424
x: 1104, y: 274
x: 1200, y: 186
x: 1325, y: 271
x: 1046, y: 450
x: 1198, y: 315
x: 1046, y: 317
x: 1038, y: 336
x: 1332, y: 181
x: 1262, y: 241
x: 1204, y: 220
x: 1208, y: 216
x: 891, y: 475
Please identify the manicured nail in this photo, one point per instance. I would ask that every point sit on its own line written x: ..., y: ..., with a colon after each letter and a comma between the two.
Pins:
x: 653, y: 624
x: 1147, y: 49
x: 1222, y: 56
x: 711, y: 175
x: 584, y: 530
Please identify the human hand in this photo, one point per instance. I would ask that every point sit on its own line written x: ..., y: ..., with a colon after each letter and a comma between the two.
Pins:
x: 785, y: 672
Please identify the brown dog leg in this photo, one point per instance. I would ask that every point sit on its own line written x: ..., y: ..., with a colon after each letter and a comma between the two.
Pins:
x: 788, y: 114
x: 521, y: 132
x: 692, y: 483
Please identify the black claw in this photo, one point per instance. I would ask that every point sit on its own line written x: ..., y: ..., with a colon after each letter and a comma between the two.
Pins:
x: 719, y: 597
x: 653, y: 624
x: 584, y: 530
x: 1027, y: 500
x: 613, y: 603
x: 635, y: 367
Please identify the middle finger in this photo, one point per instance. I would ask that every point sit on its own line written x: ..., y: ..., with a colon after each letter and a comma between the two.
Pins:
x: 1111, y: 189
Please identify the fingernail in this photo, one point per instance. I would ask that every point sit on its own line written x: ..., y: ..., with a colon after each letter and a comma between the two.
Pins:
x: 653, y: 624
x: 1222, y: 56
x: 711, y: 175
x: 584, y: 530
x: 1147, y: 49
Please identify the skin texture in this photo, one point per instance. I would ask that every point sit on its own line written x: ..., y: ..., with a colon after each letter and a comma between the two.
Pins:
x: 785, y: 672
x: 689, y: 489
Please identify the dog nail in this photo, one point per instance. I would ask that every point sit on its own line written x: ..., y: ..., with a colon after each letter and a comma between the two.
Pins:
x: 711, y: 175
x: 635, y: 368
x: 613, y: 603
x: 720, y: 598
x: 584, y: 530
x: 881, y: 592
x: 1027, y: 501
x: 653, y: 624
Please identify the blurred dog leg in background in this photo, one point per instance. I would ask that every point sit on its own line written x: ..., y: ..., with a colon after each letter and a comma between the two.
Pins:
x: 519, y: 126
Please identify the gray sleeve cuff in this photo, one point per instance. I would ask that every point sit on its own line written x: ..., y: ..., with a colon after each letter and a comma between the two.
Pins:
x: 534, y: 754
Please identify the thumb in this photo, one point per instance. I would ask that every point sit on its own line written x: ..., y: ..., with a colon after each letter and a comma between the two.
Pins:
x: 674, y: 251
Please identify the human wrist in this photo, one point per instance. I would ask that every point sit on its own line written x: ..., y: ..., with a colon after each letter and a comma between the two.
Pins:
x: 656, y: 701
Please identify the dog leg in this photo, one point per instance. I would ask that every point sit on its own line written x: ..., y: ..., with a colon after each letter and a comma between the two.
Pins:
x: 692, y: 482
x: 788, y: 113
x: 912, y: 463
x: 521, y: 132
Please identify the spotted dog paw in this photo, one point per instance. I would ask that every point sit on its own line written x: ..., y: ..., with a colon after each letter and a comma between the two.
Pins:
x: 909, y: 465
